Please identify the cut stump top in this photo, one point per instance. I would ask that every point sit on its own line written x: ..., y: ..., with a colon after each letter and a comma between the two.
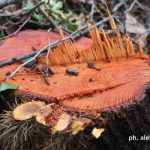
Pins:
x: 117, y: 83
x: 23, y: 42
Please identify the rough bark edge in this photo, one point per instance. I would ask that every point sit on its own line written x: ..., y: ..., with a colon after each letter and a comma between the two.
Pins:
x: 119, y: 124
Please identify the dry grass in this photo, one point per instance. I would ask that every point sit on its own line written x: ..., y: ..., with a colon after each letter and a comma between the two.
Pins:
x: 20, y: 135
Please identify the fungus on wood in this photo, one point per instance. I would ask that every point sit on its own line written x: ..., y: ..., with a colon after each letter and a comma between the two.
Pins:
x: 104, y: 105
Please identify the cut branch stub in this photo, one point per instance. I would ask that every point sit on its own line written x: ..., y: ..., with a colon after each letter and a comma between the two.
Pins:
x: 27, y: 110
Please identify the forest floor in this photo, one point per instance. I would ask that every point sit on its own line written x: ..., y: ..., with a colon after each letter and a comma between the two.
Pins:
x: 132, y: 17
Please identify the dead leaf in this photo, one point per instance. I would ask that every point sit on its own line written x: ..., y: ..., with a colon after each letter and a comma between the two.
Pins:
x: 133, y: 26
x: 63, y: 122
x: 27, y: 110
x: 43, y: 112
x: 97, y: 132
x: 79, y: 125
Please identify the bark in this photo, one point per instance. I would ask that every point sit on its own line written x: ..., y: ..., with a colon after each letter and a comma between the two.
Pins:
x: 119, y: 124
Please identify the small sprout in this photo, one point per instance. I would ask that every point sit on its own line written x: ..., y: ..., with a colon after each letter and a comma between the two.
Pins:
x: 97, y: 132
x: 79, y: 125
x: 63, y: 122
x: 71, y: 71
x: 43, y: 112
x: 7, y: 86
x: 27, y: 110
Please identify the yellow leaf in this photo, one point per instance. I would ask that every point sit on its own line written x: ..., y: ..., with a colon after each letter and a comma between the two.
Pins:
x: 27, y: 110
x: 63, y: 122
x: 43, y: 112
x: 79, y: 125
x: 97, y: 132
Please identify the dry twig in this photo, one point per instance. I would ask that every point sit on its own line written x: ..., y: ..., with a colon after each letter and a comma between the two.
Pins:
x: 33, y: 58
x: 92, y: 11
x: 77, y: 34
x: 49, y: 48
x: 131, y: 6
x: 39, y: 52
x: 21, y: 26
x: 117, y: 6
x: 47, y: 17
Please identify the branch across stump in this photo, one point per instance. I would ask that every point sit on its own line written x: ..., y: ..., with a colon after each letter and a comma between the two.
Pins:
x: 53, y: 45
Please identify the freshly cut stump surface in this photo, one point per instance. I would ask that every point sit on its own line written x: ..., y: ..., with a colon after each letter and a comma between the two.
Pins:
x: 118, y: 91
x: 117, y: 83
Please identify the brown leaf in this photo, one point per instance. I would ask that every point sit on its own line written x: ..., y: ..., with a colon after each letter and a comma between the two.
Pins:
x: 133, y: 26
x: 43, y: 112
x: 63, y: 122
x: 27, y: 110
x: 79, y: 125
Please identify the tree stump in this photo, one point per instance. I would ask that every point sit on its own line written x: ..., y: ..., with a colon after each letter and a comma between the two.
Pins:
x: 110, y: 92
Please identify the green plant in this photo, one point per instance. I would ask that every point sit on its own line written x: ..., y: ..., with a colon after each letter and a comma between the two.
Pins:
x: 56, y: 10
x: 7, y: 86
x: 2, y: 34
x: 62, y: 18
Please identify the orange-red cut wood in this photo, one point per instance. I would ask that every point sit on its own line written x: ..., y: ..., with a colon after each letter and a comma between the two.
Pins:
x: 101, y: 47
x: 23, y: 42
x: 117, y: 83
x: 5, y: 71
x: 122, y: 74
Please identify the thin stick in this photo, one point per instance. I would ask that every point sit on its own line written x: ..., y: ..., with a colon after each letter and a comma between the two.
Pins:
x: 77, y: 34
x: 130, y: 8
x: 33, y: 58
x: 117, y: 6
x: 47, y: 59
x: 43, y: 12
x: 126, y: 11
x: 16, y: 30
x: 143, y: 7
x: 92, y: 11
x: 49, y: 48
x: 36, y: 6
x: 20, y: 11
